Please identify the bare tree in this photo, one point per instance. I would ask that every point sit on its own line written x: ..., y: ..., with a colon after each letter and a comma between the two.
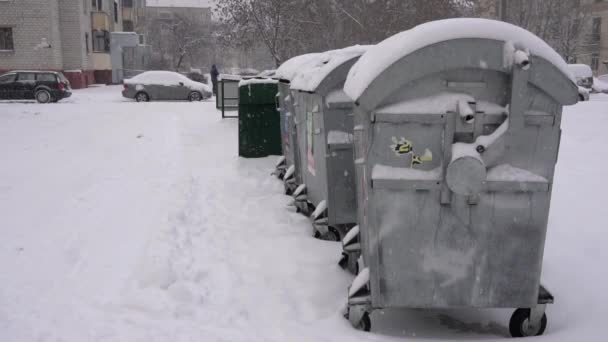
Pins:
x: 562, y: 24
x: 177, y: 38
x: 290, y: 27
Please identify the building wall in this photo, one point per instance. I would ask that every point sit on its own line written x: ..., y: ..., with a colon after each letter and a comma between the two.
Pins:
x: 73, y: 41
x: 31, y: 21
x: 601, y: 10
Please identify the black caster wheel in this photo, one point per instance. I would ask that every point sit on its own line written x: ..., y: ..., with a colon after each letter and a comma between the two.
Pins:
x: 365, y: 324
x: 519, y: 326
x: 343, y: 263
x: 331, y: 235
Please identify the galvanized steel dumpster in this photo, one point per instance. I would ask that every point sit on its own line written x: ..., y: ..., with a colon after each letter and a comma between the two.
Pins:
x: 286, y: 106
x: 259, y: 121
x: 457, y: 129
x: 324, y: 121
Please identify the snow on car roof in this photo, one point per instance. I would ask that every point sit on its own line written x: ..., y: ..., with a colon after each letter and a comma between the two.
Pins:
x: 310, y: 76
x: 393, y: 49
x: 580, y: 70
x: 167, y: 78
x: 289, y: 68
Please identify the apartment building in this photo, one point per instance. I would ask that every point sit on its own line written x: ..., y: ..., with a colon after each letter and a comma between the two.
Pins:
x: 596, y: 53
x: 72, y: 36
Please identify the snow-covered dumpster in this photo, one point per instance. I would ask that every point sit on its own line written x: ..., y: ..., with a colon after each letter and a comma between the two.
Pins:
x: 324, y: 122
x: 285, y: 106
x: 457, y: 130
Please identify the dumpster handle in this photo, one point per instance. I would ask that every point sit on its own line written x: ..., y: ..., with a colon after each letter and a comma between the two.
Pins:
x: 276, y: 102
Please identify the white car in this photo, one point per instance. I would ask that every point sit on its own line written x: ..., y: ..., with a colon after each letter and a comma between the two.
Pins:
x: 164, y: 85
x: 582, y: 74
x: 600, y: 84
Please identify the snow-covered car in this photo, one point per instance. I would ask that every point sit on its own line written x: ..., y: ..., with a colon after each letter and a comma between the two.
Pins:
x: 600, y: 84
x: 582, y: 74
x: 583, y: 94
x: 164, y: 85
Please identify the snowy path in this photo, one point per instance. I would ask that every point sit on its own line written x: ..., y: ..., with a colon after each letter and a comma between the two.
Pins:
x: 137, y: 222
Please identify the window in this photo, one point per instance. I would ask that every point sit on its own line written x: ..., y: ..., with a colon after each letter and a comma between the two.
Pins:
x: 164, y: 15
x: 26, y: 76
x: 127, y: 26
x: 596, y: 29
x: 127, y: 3
x: 10, y: 78
x: 115, y: 12
x: 595, y: 61
x: 142, y: 39
x: 101, y: 41
x: 6, y: 38
x: 46, y: 77
x: 97, y: 5
x: 86, y: 41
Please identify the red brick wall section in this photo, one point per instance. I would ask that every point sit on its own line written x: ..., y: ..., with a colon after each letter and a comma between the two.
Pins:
x: 103, y: 76
x: 80, y: 79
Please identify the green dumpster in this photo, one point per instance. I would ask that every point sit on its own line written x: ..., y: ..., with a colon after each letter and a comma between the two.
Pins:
x: 259, y: 120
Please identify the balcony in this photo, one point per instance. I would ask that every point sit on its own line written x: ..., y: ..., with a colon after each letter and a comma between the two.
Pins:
x: 101, y: 21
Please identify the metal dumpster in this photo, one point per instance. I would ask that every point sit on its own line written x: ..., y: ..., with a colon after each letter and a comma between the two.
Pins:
x: 259, y: 131
x: 324, y: 121
x: 456, y: 139
x: 285, y: 103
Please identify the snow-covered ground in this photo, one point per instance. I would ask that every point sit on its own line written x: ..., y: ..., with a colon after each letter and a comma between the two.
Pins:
x: 123, y: 221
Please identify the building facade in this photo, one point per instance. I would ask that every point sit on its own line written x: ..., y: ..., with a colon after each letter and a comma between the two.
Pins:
x: 596, y: 53
x: 72, y: 36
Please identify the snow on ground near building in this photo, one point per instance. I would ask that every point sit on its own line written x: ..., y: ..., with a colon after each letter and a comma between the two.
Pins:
x: 124, y: 221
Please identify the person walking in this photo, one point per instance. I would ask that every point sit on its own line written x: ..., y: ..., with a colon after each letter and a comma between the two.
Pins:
x: 214, y: 76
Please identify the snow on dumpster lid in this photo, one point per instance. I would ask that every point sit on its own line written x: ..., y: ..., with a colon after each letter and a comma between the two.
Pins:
x: 290, y: 68
x: 230, y: 77
x: 310, y: 76
x: 243, y: 83
x: 391, y: 50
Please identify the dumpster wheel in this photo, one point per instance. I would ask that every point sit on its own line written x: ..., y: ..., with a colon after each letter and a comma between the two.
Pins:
x: 519, y: 326
x: 365, y: 324
x: 331, y: 235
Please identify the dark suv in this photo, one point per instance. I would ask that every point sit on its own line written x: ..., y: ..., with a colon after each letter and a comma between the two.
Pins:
x: 43, y: 86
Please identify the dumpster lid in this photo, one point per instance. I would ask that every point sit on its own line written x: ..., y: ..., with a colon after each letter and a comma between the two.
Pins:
x: 382, y: 56
x: 250, y: 81
x: 337, y: 98
x: 230, y: 77
x: 440, y: 104
x: 310, y: 76
x: 290, y: 68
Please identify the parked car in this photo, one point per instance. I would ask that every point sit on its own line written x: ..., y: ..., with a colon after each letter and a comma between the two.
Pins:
x: 583, y: 94
x: 582, y: 74
x: 42, y: 86
x: 600, y: 84
x: 164, y: 85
